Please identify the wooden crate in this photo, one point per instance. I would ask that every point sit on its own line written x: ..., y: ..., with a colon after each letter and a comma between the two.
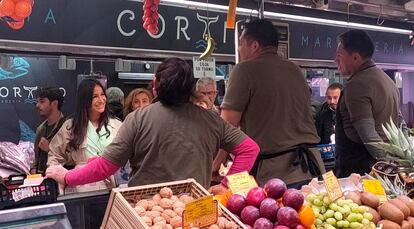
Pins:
x: 120, y: 213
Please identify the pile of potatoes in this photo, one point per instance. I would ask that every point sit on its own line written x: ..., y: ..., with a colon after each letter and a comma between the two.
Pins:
x: 165, y: 211
x: 396, y: 213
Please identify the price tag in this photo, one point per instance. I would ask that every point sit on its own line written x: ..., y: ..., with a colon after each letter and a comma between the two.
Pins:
x: 34, y: 176
x: 204, y: 68
x: 32, y: 180
x: 333, y: 188
x: 22, y: 193
x: 241, y: 183
x: 375, y: 187
x: 200, y: 213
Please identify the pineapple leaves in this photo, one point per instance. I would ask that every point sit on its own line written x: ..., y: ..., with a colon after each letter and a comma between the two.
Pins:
x: 399, y: 147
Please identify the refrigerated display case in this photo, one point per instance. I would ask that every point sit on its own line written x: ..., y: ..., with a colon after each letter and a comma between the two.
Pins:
x: 52, y: 216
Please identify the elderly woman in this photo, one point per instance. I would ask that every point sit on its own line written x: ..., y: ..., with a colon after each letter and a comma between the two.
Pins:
x: 115, y: 102
x: 172, y: 139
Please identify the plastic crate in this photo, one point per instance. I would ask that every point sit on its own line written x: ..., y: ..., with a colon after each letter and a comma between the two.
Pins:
x: 120, y: 211
x: 327, y: 151
x: 44, y: 193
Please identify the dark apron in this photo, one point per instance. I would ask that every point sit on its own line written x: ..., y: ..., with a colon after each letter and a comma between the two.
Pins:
x: 350, y: 156
x: 304, y: 158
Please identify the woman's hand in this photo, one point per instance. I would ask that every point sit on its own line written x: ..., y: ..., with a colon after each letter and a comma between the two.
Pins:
x: 218, y: 189
x: 57, y: 173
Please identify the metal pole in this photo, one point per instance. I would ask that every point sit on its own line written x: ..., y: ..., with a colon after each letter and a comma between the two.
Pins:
x: 261, y: 9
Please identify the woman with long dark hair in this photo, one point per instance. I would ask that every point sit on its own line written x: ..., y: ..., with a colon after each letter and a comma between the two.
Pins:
x: 88, y: 132
x: 170, y: 140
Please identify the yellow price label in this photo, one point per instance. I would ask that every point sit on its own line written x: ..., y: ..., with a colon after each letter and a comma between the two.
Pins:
x: 241, y: 183
x: 375, y: 187
x: 200, y: 213
x: 333, y: 188
x: 34, y: 176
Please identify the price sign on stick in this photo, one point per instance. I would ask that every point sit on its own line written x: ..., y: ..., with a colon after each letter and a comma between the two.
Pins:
x: 241, y: 183
x: 375, y: 187
x: 200, y: 213
x: 332, y: 185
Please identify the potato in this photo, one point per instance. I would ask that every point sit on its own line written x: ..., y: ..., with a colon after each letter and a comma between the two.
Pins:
x: 151, y: 204
x: 389, y: 212
x: 152, y: 214
x: 176, y: 221
x: 354, y: 196
x: 178, y: 204
x: 214, y: 226
x: 230, y: 225
x: 179, y: 211
x: 400, y: 205
x: 140, y: 210
x: 376, y: 215
x: 409, y: 202
x: 147, y: 220
x: 386, y: 224
x: 219, y: 212
x: 222, y: 222
x: 370, y: 200
x: 157, y: 198
x: 157, y: 209
x: 161, y: 223
x: 405, y: 225
x: 157, y: 226
x: 170, y: 213
x: 158, y: 219
x: 166, y: 192
x: 411, y: 221
x: 166, y: 203
x: 142, y: 203
x: 174, y: 198
x: 186, y: 199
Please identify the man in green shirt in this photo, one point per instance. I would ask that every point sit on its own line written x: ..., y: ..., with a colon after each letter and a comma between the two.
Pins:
x: 368, y: 100
x: 268, y: 97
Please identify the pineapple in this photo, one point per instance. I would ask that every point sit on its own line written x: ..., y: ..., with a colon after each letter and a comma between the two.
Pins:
x: 399, y: 149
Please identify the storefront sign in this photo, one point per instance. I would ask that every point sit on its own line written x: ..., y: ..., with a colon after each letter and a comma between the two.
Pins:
x: 319, y: 42
x: 119, y: 24
x: 204, y: 68
x: 19, y: 78
x: 181, y: 30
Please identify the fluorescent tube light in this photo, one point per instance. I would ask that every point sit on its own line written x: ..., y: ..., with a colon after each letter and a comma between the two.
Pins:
x: 135, y: 76
x: 282, y: 16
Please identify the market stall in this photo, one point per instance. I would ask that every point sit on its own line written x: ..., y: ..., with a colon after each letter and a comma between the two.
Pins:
x: 35, y: 60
